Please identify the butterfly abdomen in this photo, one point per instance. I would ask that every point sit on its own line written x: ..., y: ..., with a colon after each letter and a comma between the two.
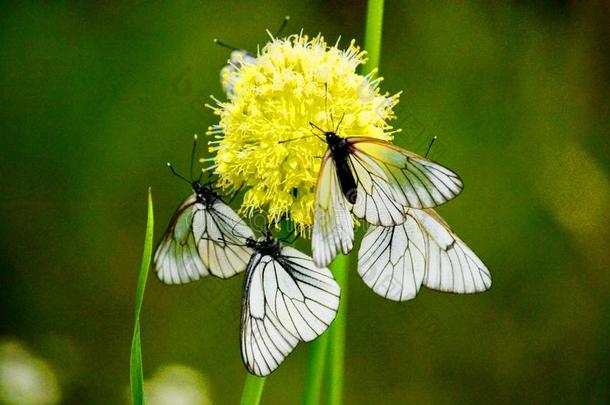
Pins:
x: 346, y: 179
x: 340, y: 151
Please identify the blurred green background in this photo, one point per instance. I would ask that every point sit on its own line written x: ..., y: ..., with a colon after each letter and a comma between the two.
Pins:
x: 96, y: 97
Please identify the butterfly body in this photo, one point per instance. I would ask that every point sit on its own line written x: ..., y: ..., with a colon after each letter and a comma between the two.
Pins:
x: 339, y: 149
x: 205, y: 194
x: 267, y: 246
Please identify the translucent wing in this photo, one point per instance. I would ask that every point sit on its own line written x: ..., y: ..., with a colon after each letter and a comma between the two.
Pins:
x: 221, y: 236
x: 333, y: 225
x: 200, y: 241
x: 395, y: 261
x: 451, y: 265
x: 265, y: 343
x: 176, y: 259
x: 410, y: 181
x: 378, y: 200
x: 286, y: 300
x: 392, y: 259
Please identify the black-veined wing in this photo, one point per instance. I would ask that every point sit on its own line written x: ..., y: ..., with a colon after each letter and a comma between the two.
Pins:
x: 391, y: 179
x: 286, y: 299
x: 333, y: 225
x: 451, y: 265
x: 395, y: 261
x: 392, y: 259
x: 202, y: 240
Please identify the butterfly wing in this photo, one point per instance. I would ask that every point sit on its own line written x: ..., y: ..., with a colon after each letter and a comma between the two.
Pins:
x: 286, y: 300
x: 395, y: 261
x: 387, y: 172
x: 392, y: 259
x: 176, y: 259
x: 201, y: 241
x: 451, y: 265
x: 333, y: 225
x: 221, y: 236
x: 265, y: 343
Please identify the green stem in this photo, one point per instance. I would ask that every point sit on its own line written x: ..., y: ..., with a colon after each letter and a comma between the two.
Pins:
x: 373, y: 34
x: 340, y: 267
x: 136, y: 371
x: 316, y: 361
x: 336, y: 335
x: 253, y: 390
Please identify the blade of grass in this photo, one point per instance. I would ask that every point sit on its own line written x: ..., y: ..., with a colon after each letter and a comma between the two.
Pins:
x: 316, y: 361
x: 373, y: 34
x: 336, y: 345
x: 253, y: 390
x: 336, y: 335
x: 136, y: 371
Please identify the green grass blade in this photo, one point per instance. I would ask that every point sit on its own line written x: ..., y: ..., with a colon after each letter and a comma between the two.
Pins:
x: 336, y: 345
x: 316, y: 362
x: 136, y: 372
x: 253, y: 390
x: 373, y: 34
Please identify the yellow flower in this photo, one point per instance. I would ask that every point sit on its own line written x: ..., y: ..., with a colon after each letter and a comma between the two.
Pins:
x: 273, y: 98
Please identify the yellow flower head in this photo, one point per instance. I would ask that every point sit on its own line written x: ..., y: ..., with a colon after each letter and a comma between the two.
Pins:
x: 273, y: 98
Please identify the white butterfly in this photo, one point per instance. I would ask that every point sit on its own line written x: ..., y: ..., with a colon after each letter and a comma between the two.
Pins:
x: 376, y: 181
x: 286, y: 299
x: 205, y: 236
x: 396, y: 261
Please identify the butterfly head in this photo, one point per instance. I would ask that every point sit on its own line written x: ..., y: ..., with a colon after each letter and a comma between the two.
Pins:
x: 205, y: 193
x: 265, y: 245
x: 333, y: 140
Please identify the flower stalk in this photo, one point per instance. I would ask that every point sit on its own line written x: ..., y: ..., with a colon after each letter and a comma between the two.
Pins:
x: 340, y: 267
x: 253, y: 390
x: 336, y: 332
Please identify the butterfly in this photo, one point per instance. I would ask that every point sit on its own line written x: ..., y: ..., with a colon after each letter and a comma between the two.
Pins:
x: 396, y: 261
x: 374, y: 180
x: 205, y: 236
x: 286, y: 299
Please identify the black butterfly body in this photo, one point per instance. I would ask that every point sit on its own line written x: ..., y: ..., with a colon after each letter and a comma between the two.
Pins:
x: 205, y: 194
x: 339, y: 149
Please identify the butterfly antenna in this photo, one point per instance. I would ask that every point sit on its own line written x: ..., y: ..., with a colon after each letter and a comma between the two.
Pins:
x: 296, y: 139
x: 314, y: 126
x: 339, y: 124
x: 430, y: 146
x: 176, y: 173
x: 284, y: 24
x: 195, y: 137
x: 224, y: 45
x: 326, y: 107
